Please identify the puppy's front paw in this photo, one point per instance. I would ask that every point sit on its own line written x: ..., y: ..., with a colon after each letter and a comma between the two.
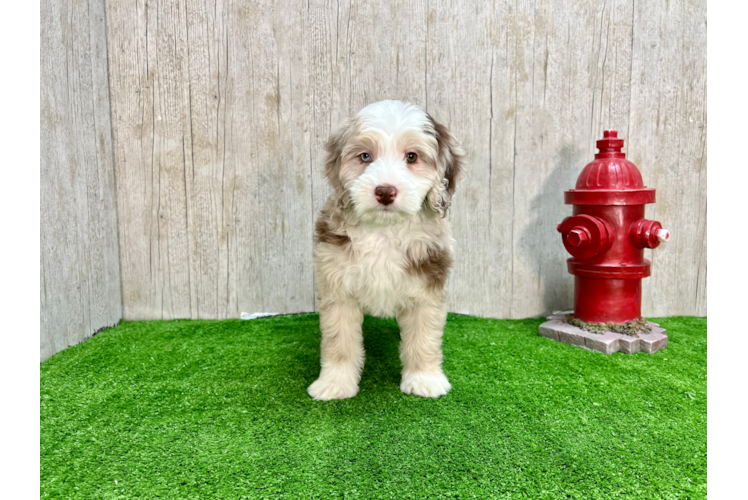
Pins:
x: 427, y: 385
x: 324, y: 390
x: 335, y: 382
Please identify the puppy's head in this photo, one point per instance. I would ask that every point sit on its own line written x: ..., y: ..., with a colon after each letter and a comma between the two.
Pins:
x: 391, y: 161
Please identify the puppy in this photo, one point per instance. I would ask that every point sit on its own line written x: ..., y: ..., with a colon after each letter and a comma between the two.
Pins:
x: 383, y: 244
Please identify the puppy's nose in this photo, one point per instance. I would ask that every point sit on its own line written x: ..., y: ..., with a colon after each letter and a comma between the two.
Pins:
x: 385, y: 194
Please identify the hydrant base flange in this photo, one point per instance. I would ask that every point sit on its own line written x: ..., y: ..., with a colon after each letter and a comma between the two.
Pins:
x: 607, y: 343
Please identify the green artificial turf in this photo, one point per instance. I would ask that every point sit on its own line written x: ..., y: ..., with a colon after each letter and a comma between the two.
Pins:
x: 219, y: 409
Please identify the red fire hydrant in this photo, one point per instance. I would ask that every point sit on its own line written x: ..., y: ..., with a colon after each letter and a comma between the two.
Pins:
x: 607, y: 236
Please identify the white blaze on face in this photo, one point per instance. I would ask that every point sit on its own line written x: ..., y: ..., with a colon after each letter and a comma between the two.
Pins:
x: 388, y: 131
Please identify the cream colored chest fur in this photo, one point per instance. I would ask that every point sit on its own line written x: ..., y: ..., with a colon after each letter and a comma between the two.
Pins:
x: 373, y: 269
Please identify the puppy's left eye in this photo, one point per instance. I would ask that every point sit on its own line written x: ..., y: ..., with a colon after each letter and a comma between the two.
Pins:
x: 412, y: 157
x: 365, y: 157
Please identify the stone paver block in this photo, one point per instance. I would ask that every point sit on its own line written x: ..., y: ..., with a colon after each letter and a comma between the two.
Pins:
x: 548, y: 333
x: 629, y: 345
x: 573, y: 338
x: 609, y: 342
x: 653, y: 342
x: 606, y: 343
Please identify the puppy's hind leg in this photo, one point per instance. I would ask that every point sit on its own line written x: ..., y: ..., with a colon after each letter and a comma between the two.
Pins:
x: 342, y: 352
x: 421, y: 330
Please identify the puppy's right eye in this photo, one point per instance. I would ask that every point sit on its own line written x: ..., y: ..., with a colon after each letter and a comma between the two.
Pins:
x: 365, y: 157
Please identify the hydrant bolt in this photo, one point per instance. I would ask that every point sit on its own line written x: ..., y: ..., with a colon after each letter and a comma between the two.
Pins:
x: 578, y: 236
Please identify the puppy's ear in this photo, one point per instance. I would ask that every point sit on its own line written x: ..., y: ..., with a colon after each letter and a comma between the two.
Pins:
x: 450, y: 159
x: 333, y: 161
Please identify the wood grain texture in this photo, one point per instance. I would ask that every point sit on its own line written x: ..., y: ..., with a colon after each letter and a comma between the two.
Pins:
x: 80, y: 275
x: 220, y: 110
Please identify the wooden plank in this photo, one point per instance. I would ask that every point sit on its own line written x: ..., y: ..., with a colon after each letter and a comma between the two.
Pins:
x: 271, y: 153
x: 569, y: 57
x: 467, y: 91
x: 80, y: 276
x: 211, y: 146
x: 668, y: 143
x: 209, y: 216
x: 150, y: 104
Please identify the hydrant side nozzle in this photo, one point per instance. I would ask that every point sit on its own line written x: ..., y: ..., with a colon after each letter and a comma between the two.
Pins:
x: 586, y: 236
x: 647, y: 234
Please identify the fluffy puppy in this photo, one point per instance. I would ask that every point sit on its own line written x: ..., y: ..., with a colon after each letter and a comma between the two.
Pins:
x: 383, y: 244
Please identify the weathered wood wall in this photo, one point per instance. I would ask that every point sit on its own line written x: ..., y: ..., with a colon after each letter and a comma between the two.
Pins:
x: 80, y: 274
x: 220, y: 110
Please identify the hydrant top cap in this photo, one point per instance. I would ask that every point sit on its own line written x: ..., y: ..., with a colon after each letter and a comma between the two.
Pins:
x: 610, y: 169
x: 610, y: 179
